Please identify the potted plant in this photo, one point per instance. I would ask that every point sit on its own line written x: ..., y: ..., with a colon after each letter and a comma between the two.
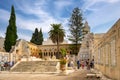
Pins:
x: 63, y: 64
x: 63, y: 60
x: 63, y: 52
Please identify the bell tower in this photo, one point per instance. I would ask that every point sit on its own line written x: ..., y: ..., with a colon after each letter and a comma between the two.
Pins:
x: 86, y: 27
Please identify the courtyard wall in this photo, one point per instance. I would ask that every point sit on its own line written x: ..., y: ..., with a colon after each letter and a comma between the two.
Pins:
x: 107, y: 52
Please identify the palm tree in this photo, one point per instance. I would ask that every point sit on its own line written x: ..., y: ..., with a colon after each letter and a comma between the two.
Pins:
x: 57, y: 34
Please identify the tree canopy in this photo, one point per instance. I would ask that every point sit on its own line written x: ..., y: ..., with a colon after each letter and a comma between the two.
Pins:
x: 57, y: 34
x: 76, y: 27
x: 37, y: 37
x: 11, y: 33
x: 40, y: 37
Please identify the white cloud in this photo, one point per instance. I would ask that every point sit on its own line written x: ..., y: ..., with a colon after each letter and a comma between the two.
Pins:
x: 2, y: 34
x: 42, y: 18
x: 102, y: 11
x: 111, y: 1
x: 32, y: 24
x: 24, y: 36
x: 4, y: 15
x: 60, y: 4
x: 91, y: 3
x: 3, y: 19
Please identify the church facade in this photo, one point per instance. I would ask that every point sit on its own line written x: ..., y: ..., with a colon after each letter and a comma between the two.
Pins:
x: 85, y: 50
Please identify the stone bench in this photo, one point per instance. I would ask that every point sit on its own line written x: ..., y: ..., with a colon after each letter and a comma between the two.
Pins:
x: 97, y: 75
x: 91, y: 75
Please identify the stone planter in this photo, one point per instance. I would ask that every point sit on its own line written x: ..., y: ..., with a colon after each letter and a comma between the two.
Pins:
x: 62, y: 67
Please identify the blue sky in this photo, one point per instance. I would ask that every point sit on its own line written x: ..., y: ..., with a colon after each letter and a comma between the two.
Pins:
x: 31, y: 14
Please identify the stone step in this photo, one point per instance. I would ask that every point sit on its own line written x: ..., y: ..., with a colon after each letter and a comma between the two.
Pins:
x: 36, y: 66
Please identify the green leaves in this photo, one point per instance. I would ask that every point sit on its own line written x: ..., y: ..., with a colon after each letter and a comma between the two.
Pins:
x: 76, y: 27
x: 63, y: 51
x: 56, y: 34
x: 11, y: 33
x: 63, y: 61
x: 37, y: 37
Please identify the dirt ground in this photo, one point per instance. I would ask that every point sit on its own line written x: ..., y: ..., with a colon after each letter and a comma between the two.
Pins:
x: 76, y: 75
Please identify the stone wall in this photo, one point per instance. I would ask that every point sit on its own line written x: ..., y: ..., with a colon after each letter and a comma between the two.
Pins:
x: 86, y: 47
x: 2, y: 44
x: 107, y: 52
x: 4, y: 56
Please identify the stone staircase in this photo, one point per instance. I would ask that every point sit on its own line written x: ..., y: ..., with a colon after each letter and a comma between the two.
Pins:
x: 36, y: 66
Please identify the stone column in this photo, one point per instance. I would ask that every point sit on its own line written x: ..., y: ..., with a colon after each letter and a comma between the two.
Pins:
x: 42, y: 55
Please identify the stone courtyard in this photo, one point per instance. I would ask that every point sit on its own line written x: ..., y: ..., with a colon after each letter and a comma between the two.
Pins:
x: 76, y: 75
x: 80, y: 74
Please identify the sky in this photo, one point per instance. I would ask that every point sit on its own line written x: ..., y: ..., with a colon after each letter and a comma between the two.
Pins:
x: 101, y: 15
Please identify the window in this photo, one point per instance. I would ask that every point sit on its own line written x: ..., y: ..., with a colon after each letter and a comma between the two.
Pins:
x: 0, y: 57
x: 113, y: 53
x: 83, y: 55
x: 87, y: 56
x: 99, y: 57
x: 95, y: 58
x: 119, y: 32
x: 5, y: 58
x: 80, y: 56
x: 107, y: 53
x: 102, y: 55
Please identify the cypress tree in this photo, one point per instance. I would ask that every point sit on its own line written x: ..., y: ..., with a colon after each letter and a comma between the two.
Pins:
x: 11, y: 33
x: 76, y: 28
x: 35, y: 36
x: 40, y: 37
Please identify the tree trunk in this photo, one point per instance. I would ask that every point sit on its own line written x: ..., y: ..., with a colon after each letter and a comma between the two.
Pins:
x: 76, y: 52
x: 57, y: 50
x: 58, y: 55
